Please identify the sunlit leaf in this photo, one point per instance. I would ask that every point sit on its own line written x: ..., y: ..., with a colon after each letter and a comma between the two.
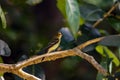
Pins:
x: 104, y: 50
x: 2, y: 78
x: 3, y: 19
x: 1, y: 61
x: 110, y: 68
x: 61, y: 5
x: 82, y: 21
x: 73, y: 16
x: 100, y: 50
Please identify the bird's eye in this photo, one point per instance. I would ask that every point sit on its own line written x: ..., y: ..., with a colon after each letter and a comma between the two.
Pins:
x: 59, y: 33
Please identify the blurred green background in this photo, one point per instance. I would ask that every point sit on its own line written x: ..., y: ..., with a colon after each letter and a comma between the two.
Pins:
x: 31, y: 24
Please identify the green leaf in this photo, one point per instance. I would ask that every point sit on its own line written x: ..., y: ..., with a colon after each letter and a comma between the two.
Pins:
x: 115, y: 23
x: 61, y: 6
x: 100, y: 50
x: 73, y: 16
x: 2, y: 15
x: 104, y: 65
x: 110, y: 67
x: 90, y: 12
x: 82, y: 21
x: 1, y: 60
x: 113, y: 40
x: 100, y: 3
x: 99, y: 76
x: 104, y: 50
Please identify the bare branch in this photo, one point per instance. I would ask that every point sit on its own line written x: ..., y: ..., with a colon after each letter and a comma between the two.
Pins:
x: 17, y: 68
x: 47, y: 57
x: 25, y: 75
x: 91, y: 60
x: 83, y: 45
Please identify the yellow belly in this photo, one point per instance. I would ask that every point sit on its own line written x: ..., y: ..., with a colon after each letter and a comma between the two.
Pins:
x: 54, y: 47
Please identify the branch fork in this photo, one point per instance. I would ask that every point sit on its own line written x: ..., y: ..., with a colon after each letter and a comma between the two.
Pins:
x: 17, y: 68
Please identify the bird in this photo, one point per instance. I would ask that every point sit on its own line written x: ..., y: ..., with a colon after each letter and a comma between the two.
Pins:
x: 53, y: 45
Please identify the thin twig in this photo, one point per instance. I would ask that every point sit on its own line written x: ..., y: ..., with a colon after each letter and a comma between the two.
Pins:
x: 83, y: 45
x: 106, y: 14
x: 25, y: 75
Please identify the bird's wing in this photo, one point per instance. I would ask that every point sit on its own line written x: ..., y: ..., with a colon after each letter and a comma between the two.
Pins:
x: 52, y: 43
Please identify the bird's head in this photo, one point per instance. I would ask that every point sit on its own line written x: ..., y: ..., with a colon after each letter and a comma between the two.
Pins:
x: 59, y: 35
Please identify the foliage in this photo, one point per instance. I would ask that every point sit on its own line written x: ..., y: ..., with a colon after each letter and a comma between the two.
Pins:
x: 102, y: 50
x: 28, y: 25
x: 3, y: 18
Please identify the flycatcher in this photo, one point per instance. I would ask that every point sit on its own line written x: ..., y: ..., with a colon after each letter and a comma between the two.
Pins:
x: 53, y: 45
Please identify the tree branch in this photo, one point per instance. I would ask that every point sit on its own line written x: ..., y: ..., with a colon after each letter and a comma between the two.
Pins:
x: 17, y: 68
x: 106, y: 14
